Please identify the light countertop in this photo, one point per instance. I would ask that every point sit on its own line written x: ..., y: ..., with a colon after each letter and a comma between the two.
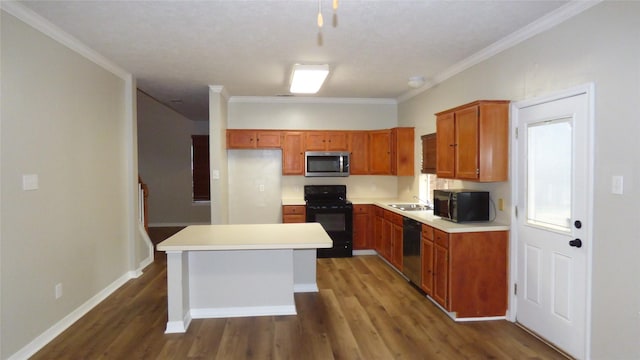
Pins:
x: 425, y: 217
x: 248, y: 237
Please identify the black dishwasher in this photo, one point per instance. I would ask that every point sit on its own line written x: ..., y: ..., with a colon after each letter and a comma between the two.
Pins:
x: 411, y: 242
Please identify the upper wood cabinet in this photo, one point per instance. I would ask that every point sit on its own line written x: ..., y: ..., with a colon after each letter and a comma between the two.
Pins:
x: 473, y: 141
x: 326, y: 141
x: 402, y: 151
x: 293, y: 153
x: 391, y: 152
x: 253, y: 139
x: 359, y: 151
x: 428, y: 154
x: 380, y: 152
x: 372, y: 152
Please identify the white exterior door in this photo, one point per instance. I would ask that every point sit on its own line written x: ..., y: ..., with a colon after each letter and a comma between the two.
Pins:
x: 553, y: 197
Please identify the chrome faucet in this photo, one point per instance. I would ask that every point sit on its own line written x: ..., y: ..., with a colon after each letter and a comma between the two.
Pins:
x: 426, y: 202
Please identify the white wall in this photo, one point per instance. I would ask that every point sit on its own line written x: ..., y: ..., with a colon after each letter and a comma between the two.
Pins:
x: 164, y: 163
x: 65, y: 119
x: 601, y: 45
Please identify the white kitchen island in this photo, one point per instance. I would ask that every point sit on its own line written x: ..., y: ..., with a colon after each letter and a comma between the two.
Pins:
x: 239, y: 270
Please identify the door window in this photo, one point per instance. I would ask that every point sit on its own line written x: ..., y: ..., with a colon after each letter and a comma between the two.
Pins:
x: 549, y: 174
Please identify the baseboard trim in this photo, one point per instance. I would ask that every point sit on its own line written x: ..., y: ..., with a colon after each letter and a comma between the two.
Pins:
x: 243, y: 311
x: 176, y: 327
x: 46, y: 337
x: 305, y: 288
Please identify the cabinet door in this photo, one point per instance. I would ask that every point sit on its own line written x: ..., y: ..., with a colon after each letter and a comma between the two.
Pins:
x: 336, y: 141
x: 361, y: 227
x: 268, y: 139
x: 380, y: 152
x: 396, y: 246
x: 445, y: 146
x: 293, y: 153
x: 427, y: 266
x: 378, y: 225
x: 466, y: 127
x: 441, y: 276
x: 402, y: 151
x: 241, y: 139
x: 359, y: 149
x: 315, y: 141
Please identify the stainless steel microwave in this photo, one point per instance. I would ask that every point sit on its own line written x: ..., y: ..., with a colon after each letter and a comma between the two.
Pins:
x: 326, y: 163
x: 460, y: 205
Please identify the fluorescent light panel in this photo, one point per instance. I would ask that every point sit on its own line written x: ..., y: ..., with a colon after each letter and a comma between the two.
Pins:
x: 307, y: 79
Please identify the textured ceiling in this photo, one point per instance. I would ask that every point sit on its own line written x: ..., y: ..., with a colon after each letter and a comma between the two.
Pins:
x: 175, y: 49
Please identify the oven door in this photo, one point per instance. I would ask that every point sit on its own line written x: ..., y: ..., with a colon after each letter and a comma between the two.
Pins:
x: 337, y: 221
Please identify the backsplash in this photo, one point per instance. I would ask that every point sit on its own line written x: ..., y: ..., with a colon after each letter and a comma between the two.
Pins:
x: 358, y: 186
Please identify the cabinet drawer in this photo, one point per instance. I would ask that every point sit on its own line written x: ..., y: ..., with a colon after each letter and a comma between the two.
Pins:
x: 360, y: 209
x: 441, y: 238
x: 293, y: 210
x: 297, y: 218
x: 427, y: 232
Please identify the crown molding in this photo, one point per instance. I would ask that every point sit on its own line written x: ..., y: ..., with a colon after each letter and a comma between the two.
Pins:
x: 41, y: 24
x: 310, y: 100
x: 539, y: 26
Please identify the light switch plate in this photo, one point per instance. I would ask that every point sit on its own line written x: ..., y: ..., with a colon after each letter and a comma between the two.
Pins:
x: 30, y: 182
x: 215, y: 174
x: 617, y: 185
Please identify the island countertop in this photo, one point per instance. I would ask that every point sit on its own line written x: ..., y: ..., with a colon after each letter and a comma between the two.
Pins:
x: 248, y: 237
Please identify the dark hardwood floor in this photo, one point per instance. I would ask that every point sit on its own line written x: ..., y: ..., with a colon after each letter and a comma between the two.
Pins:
x: 364, y: 310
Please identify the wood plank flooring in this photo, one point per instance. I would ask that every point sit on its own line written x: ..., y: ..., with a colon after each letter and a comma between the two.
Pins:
x: 364, y: 310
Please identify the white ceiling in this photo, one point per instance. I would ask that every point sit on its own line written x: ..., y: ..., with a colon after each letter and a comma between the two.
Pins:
x: 175, y: 49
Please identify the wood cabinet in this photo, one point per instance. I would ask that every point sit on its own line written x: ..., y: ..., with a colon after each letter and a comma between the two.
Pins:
x: 372, y: 152
x: 378, y: 225
x: 293, y: 153
x: 380, y: 152
x: 469, y: 272
x: 391, y: 152
x: 440, y: 291
x: 402, y: 151
x: 326, y: 141
x: 253, y: 139
x: 473, y: 141
x: 428, y: 154
x: 294, y: 214
x: 362, y: 226
x: 359, y: 151
x: 388, y: 236
x: 426, y: 254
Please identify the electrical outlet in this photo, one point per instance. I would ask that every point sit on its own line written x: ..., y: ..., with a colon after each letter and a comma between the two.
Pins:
x: 58, y: 290
x: 500, y: 204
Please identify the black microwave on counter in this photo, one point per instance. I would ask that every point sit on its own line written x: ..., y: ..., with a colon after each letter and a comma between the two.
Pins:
x: 461, y: 205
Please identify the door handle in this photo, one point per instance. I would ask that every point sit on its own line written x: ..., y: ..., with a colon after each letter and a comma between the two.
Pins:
x: 576, y: 243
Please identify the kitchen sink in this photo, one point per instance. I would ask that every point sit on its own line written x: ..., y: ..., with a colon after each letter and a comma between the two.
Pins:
x: 411, y: 207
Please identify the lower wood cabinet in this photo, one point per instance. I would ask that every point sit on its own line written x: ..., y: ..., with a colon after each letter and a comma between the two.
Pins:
x: 468, y: 271
x: 362, y: 227
x: 294, y: 214
x: 426, y: 254
x: 387, y: 235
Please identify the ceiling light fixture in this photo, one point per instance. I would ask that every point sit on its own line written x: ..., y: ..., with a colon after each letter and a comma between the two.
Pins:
x: 320, y: 19
x: 307, y: 79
